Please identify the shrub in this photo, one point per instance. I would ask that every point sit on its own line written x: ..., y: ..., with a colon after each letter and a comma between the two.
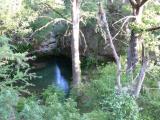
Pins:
x: 150, y: 107
x: 121, y: 107
x: 96, y: 115
x: 51, y: 90
x: 13, y: 66
x: 31, y: 111
x: 59, y: 108
x: 100, y: 86
x: 8, y: 102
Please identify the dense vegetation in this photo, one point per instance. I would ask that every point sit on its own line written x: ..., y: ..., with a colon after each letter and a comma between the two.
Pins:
x: 25, y: 24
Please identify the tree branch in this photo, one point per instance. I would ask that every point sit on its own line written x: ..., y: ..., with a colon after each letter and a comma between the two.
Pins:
x: 153, y: 28
x: 53, y: 21
x: 133, y: 3
x: 142, y: 3
x: 50, y: 7
x: 140, y: 78
x: 104, y: 24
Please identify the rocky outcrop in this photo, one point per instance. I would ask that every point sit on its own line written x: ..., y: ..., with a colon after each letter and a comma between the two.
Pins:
x: 47, y: 46
x: 93, y: 44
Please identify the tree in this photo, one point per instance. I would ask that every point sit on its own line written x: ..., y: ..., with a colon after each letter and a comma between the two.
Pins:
x: 132, y: 58
x: 104, y: 24
x: 75, y: 43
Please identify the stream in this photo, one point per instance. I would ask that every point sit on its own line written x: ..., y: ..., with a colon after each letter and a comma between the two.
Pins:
x: 56, y: 71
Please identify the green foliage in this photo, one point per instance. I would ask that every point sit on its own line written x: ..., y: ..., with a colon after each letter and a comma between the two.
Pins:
x: 38, y: 23
x: 8, y: 102
x: 15, y: 18
x: 88, y: 62
x: 12, y: 107
x: 31, y: 111
x: 152, y: 76
x: 16, y: 107
x: 150, y: 15
x: 59, y: 108
x: 13, y: 66
x: 101, y: 85
x: 96, y: 115
x: 24, y: 47
x: 20, y: 104
x: 150, y: 107
x: 63, y: 111
x: 121, y: 107
x: 150, y: 96
x: 98, y: 94
x: 96, y: 100
x: 53, y: 90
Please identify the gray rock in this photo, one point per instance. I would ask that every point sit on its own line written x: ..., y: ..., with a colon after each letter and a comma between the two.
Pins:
x: 47, y: 46
x: 95, y: 44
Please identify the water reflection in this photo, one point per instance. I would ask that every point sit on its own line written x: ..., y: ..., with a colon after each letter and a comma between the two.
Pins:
x: 61, y: 82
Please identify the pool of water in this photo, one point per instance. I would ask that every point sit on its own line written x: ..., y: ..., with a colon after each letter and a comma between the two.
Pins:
x: 56, y: 71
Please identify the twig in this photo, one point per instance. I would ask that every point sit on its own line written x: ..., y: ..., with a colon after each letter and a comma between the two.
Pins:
x: 84, y: 39
x: 126, y: 17
x: 47, y: 5
x: 53, y: 21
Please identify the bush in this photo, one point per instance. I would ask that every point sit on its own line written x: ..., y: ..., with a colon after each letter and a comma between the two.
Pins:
x: 150, y: 108
x: 8, y: 102
x: 59, y: 108
x: 94, y: 91
x: 13, y: 67
x: 121, y: 107
x: 96, y: 115
x: 31, y: 111
x: 51, y: 90
x: 12, y: 107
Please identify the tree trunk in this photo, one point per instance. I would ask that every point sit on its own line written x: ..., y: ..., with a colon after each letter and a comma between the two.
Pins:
x: 76, y: 71
x: 132, y: 57
x: 118, y: 79
x: 104, y: 24
x: 140, y: 78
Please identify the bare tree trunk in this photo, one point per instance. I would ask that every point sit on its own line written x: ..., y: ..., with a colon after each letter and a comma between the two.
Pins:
x: 104, y: 24
x: 76, y: 71
x: 118, y: 80
x: 132, y: 57
x: 140, y: 78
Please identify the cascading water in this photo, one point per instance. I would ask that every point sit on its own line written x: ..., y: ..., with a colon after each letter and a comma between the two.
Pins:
x: 53, y: 71
x: 61, y: 82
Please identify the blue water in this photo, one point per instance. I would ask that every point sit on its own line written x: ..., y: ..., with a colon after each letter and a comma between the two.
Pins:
x: 55, y: 71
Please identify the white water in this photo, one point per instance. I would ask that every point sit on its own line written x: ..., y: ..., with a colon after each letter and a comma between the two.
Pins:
x: 61, y: 82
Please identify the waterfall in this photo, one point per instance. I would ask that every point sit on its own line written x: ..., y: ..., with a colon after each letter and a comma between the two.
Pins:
x: 60, y: 80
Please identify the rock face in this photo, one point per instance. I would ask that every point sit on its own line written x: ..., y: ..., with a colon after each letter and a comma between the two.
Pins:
x: 97, y: 46
x: 93, y: 45
x: 47, y: 46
